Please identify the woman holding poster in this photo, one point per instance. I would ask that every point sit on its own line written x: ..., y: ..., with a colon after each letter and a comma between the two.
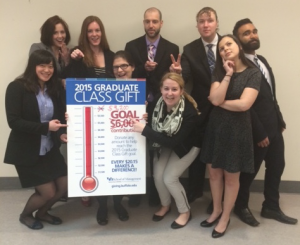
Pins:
x: 35, y: 114
x: 172, y: 130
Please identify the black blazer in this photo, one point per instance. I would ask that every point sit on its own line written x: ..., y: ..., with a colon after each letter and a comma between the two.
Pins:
x: 267, y: 119
x: 138, y: 49
x: 195, y: 68
x: 23, y: 117
x: 184, y: 140
x: 77, y: 69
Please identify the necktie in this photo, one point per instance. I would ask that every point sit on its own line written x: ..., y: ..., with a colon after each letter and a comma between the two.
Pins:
x: 151, y: 52
x: 211, y: 58
x: 259, y: 66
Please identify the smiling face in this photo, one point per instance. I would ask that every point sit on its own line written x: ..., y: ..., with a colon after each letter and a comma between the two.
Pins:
x: 94, y: 34
x: 229, y: 49
x: 152, y: 24
x: 248, y: 36
x: 44, y: 72
x: 59, y: 35
x: 171, y: 93
x: 122, y: 69
x: 207, y: 25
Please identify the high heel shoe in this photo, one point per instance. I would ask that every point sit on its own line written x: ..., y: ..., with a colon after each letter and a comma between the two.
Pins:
x: 175, y: 225
x: 157, y: 218
x: 216, y: 234
x: 205, y: 223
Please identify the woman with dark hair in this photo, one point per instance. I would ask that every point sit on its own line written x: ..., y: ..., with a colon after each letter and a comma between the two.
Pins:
x: 92, y: 58
x: 55, y: 37
x: 35, y: 115
x: 171, y: 129
x: 227, y: 146
x: 123, y: 67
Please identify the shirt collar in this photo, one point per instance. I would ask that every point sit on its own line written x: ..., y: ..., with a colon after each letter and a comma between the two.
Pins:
x: 154, y: 43
x: 214, y: 42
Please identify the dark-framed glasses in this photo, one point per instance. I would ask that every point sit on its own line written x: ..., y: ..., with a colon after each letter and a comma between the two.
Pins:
x: 123, y: 67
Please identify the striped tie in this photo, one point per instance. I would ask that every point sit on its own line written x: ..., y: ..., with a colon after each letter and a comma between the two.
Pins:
x: 150, y: 52
x: 259, y: 66
x: 211, y: 58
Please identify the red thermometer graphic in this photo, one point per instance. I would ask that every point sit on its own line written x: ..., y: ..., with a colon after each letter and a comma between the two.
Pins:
x: 88, y: 182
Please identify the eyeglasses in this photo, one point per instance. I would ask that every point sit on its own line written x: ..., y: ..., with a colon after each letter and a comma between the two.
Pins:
x: 123, y: 67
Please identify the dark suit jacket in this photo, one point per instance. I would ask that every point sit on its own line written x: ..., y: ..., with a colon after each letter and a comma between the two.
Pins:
x: 77, y: 69
x: 195, y: 68
x: 23, y: 117
x: 265, y: 112
x: 138, y: 49
x: 184, y: 140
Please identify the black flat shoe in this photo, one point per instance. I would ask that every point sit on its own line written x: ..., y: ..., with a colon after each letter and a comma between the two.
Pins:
x: 216, y: 234
x: 278, y: 215
x: 122, y: 213
x: 102, y: 216
x: 192, y: 196
x: 205, y: 223
x: 175, y: 225
x: 246, y: 216
x: 157, y: 218
x: 53, y: 219
x: 36, y: 225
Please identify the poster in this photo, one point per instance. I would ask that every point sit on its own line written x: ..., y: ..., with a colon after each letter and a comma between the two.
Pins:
x: 105, y: 156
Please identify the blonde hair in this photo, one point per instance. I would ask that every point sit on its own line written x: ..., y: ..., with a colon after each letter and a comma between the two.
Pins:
x: 178, y: 79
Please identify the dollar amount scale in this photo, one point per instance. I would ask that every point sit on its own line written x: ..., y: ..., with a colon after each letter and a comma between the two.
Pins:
x: 105, y: 156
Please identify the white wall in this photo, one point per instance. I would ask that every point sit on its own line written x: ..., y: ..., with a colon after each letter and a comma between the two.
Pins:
x: 277, y: 22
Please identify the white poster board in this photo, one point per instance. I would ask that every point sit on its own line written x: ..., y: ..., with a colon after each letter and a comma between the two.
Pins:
x: 105, y: 156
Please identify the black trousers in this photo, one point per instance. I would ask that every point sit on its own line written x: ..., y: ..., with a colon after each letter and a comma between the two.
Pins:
x: 196, y: 176
x: 273, y: 155
x: 102, y: 200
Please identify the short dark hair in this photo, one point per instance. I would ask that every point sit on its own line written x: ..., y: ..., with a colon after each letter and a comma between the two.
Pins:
x: 124, y: 55
x: 239, y: 24
x: 30, y: 77
x: 48, y: 28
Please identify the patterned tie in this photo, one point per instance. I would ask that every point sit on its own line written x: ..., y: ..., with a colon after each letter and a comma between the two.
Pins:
x: 259, y: 66
x: 150, y: 52
x: 211, y: 58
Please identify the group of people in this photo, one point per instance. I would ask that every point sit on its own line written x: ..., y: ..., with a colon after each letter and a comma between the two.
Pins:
x: 230, y: 122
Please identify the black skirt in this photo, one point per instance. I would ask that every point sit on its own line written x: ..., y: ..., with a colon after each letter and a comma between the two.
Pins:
x: 48, y: 168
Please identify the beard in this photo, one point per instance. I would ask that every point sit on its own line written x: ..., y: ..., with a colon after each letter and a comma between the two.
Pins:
x: 251, y: 45
x: 152, y: 35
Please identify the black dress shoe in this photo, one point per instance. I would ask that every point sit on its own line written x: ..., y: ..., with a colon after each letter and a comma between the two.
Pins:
x: 192, y: 196
x: 134, y: 201
x: 210, y: 224
x: 121, y: 211
x: 278, y: 215
x: 246, y: 216
x: 210, y: 208
x: 53, y: 220
x: 216, y: 234
x: 102, y: 216
x: 175, y: 225
x: 157, y: 218
x: 36, y: 225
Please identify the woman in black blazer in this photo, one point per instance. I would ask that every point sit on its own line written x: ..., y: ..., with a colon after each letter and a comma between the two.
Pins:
x: 173, y: 134
x: 34, y: 113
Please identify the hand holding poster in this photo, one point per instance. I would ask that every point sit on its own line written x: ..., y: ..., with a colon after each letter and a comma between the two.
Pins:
x: 105, y: 156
